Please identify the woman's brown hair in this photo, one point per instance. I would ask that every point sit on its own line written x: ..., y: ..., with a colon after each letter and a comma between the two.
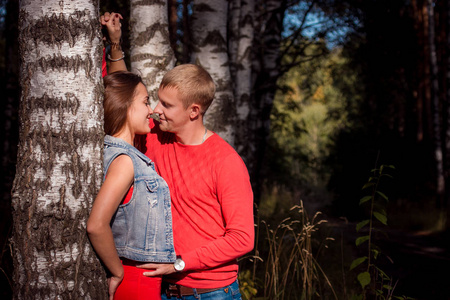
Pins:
x: 119, y: 93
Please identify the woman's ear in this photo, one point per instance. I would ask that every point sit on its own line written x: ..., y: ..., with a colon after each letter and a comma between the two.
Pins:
x: 195, y: 111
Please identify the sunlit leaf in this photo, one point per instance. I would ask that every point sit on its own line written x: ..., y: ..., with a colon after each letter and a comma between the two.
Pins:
x: 361, y: 240
x: 382, y: 195
x: 361, y: 224
x: 369, y: 184
x: 364, y: 279
x: 380, y: 217
x: 383, y: 274
x: 364, y: 199
x: 375, y: 253
x: 357, y: 262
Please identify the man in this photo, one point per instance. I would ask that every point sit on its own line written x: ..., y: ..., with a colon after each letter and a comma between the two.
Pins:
x: 212, y: 200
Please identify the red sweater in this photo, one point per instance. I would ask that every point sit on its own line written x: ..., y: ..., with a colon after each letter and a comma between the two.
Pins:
x: 212, y: 207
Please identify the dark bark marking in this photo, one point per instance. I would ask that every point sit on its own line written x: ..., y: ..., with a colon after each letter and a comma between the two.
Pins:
x: 66, y: 64
x: 70, y: 104
x: 213, y: 38
x: 224, y: 113
x: 143, y: 37
x: 149, y: 2
x: 203, y: 8
x: 57, y: 29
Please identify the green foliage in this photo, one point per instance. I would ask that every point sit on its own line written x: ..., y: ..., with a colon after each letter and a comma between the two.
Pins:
x: 372, y: 279
x: 309, y: 110
x: 247, y: 286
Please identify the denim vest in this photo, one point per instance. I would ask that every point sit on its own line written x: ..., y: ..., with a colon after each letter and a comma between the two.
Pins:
x: 142, y: 228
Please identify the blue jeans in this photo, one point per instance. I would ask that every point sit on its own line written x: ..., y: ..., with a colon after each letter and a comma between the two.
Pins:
x: 229, y: 292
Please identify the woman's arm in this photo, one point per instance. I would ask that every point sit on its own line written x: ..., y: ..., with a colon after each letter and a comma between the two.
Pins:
x: 112, y: 23
x: 119, y: 178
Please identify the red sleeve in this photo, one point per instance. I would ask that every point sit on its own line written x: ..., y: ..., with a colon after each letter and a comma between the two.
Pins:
x: 236, y: 197
x: 104, y: 69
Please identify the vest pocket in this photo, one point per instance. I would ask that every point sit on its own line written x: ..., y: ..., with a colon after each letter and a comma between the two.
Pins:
x: 152, y: 185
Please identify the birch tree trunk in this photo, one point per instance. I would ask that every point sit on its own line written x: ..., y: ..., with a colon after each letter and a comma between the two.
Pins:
x: 241, y: 42
x: 59, y: 166
x: 209, y: 49
x: 151, y: 54
x: 440, y: 184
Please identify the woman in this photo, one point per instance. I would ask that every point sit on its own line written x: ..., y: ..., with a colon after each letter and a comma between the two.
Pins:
x: 130, y: 221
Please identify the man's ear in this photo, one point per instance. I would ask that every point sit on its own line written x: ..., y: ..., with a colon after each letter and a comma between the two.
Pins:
x: 195, y: 111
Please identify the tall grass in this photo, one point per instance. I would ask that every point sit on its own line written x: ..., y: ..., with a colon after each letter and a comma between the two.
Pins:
x: 284, y: 264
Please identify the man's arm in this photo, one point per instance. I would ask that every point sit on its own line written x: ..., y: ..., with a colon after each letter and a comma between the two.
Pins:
x: 236, y: 198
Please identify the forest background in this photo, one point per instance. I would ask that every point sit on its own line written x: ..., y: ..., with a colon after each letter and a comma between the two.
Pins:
x: 334, y: 90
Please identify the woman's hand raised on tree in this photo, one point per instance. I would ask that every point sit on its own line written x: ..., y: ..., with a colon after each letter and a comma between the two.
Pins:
x: 111, y: 21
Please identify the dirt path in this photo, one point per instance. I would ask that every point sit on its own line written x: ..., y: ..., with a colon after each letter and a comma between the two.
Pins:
x: 421, y: 262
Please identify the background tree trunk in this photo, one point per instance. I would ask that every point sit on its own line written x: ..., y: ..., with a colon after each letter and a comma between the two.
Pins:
x: 241, y: 61
x: 440, y: 185
x: 59, y: 168
x: 209, y: 49
x: 151, y: 54
x: 9, y: 137
x: 266, y: 72
x: 172, y: 11
x: 447, y: 122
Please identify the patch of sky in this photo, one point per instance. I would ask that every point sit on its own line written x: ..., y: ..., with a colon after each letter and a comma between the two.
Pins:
x: 2, y: 14
x: 315, y: 24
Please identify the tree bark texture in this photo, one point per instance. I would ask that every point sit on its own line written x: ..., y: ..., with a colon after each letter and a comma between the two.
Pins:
x: 59, y: 165
x: 210, y: 50
x: 151, y: 54
x: 241, y: 42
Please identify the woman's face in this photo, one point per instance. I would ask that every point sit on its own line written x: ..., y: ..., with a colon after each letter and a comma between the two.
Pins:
x: 139, y: 112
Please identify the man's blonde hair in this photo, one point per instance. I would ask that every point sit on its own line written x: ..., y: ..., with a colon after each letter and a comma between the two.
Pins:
x: 193, y: 83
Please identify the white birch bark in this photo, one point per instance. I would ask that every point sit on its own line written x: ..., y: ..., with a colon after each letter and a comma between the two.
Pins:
x: 151, y: 54
x: 59, y: 167
x: 234, y: 13
x: 243, y: 74
x: 209, y: 49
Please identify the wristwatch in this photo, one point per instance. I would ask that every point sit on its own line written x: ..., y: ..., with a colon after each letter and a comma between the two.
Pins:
x: 179, y: 265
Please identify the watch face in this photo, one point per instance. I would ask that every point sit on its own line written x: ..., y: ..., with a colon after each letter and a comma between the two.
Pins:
x: 179, y: 265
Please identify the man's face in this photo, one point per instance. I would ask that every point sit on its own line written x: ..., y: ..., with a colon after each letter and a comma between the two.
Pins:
x: 173, y: 116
